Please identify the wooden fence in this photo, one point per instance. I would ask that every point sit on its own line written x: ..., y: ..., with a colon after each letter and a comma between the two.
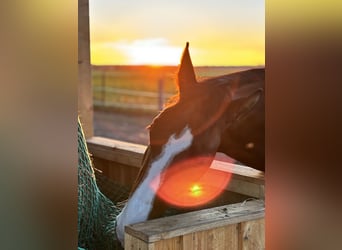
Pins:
x: 121, y: 161
x: 237, y: 225
x: 229, y: 227
x: 123, y: 88
x: 141, y: 88
x: 130, y: 99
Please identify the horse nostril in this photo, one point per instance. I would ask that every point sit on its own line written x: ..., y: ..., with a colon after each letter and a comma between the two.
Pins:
x: 250, y: 145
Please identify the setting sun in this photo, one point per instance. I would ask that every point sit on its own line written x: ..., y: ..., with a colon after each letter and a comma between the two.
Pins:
x: 150, y: 52
x: 227, y: 33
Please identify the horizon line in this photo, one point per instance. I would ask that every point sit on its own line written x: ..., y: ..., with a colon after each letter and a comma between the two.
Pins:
x: 172, y: 65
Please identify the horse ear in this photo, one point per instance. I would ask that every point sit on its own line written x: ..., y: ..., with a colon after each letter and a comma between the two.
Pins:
x: 186, y: 73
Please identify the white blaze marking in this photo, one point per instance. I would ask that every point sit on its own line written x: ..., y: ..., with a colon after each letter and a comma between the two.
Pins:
x: 139, y: 205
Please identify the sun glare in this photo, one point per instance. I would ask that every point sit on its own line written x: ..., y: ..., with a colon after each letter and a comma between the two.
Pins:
x: 196, y: 190
x: 191, y: 183
x: 150, y: 52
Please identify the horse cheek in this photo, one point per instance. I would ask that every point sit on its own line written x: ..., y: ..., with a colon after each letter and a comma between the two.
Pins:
x: 211, y: 142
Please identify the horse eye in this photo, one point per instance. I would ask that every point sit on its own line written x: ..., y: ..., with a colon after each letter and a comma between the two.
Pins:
x: 250, y: 145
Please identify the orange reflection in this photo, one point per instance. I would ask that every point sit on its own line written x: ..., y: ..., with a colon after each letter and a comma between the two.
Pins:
x: 191, y: 183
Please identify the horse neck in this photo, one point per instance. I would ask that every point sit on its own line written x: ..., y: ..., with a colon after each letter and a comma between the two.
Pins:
x: 140, y: 204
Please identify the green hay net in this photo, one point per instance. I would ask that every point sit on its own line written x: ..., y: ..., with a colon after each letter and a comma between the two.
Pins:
x: 96, y: 213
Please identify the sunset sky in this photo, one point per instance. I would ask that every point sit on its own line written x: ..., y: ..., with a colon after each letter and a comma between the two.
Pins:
x: 220, y: 32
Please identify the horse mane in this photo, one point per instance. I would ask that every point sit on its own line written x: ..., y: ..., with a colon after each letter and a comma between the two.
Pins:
x: 173, y: 100
x: 207, y: 88
x: 204, y: 92
x: 170, y: 102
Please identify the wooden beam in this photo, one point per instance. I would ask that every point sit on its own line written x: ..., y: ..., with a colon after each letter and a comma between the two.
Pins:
x: 85, y: 93
x: 245, y: 180
x: 134, y: 243
x: 252, y: 234
x: 241, y: 172
x: 198, y: 221
x: 118, y: 151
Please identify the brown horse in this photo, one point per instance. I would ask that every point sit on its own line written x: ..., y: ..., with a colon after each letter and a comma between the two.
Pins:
x: 221, y: 114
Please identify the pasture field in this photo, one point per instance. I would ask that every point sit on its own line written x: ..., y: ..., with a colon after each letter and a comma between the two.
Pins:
x: 138, y: 87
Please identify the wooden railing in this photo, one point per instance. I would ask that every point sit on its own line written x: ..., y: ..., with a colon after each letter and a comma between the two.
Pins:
x: 229, y: 227
x: 121, y: 162
x: 236, y: 225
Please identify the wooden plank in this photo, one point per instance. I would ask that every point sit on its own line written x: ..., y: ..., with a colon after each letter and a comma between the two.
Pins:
x: 231, y: 237
x: 121, y: 91
x: 244, y: 180
x: 206, y: 219
x: 221, y: 238
x: 132, y: 243
x: 119, y: 173
x: 241, y: 172
x: 173, y: 243
x: 118, y: 151
x: 131, y: 154
x: 128, y: 106
x: 252, y: 235
x: 246, y: 188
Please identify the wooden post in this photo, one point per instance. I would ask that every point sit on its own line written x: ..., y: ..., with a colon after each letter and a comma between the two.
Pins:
x: 85, y: 94
x: 103, y: 87
x: 161, y: 93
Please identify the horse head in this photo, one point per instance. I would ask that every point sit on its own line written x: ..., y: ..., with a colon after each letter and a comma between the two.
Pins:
x: 224, y: 113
